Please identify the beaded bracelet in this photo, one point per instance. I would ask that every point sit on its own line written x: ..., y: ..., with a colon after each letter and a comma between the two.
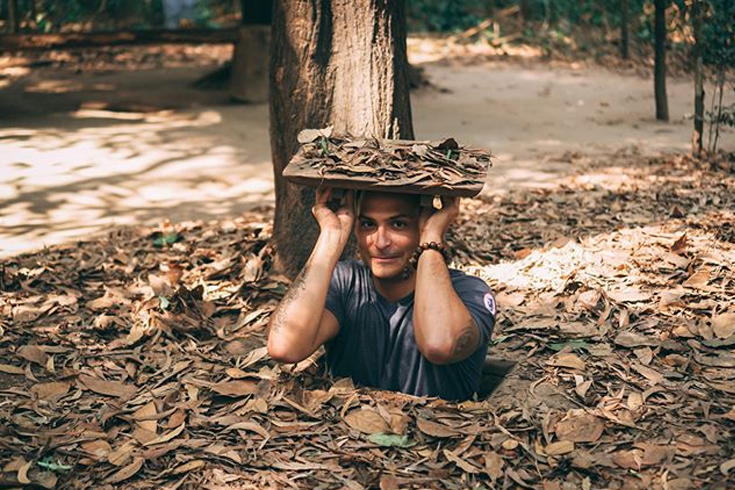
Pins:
x: 414, y: 260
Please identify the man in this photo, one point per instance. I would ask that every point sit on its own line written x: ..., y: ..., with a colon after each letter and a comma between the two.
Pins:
x: 399, y: 319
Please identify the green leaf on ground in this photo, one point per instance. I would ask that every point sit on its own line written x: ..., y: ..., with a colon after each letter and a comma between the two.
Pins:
x: 51, y: 465
x: 390, y: 440
x: 164, y: 302
x: 168, y: 239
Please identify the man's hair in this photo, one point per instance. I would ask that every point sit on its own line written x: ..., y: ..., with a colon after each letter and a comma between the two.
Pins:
x: 360, y: 195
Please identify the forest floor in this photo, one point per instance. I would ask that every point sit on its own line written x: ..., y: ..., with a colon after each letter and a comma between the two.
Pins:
x: 133, y: 358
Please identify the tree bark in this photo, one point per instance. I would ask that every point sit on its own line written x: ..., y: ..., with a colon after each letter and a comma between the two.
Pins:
x: 13, y: 19
x: 249, y: 78
x: 697, y: 135
x: 718, y: 118
x: 624, y: 31
x: 333, y: 62
x: 659, y: 73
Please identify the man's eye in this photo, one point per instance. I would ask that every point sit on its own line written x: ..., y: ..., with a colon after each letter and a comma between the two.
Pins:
x: 366, y: 225
x: 400, y: 224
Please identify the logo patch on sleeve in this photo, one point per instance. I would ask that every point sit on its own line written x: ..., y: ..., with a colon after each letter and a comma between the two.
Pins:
x: 490, y: 303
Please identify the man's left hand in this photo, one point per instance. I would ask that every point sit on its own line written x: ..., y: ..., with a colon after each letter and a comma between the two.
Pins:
x: 433, y: 223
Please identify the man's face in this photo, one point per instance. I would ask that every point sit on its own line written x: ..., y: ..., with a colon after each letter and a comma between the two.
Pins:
x: 387, y: 231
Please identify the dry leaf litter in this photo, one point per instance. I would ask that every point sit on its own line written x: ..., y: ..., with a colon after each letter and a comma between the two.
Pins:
x: 441, y: 166
x: 137, y: 360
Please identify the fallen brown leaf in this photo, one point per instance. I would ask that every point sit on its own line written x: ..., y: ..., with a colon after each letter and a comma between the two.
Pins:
x: 107, y: 387
x: 435, y: 429
x: 50, y: 390
x: 559, y: 448
x: 493, y: 465
x: 126, y: 472
x: 236, y: 388
x: 367, y: 421
x: 567, y: 360
x: 579, y: 426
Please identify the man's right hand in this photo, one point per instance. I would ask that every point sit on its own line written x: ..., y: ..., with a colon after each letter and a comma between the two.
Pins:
x: 337, y: 223
x: 301, y: 323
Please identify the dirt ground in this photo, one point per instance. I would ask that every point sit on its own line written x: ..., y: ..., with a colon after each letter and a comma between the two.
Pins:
x: 87, y: 149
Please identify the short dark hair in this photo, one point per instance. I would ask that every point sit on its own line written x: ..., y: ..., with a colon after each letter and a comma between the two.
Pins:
x: 360, y: 195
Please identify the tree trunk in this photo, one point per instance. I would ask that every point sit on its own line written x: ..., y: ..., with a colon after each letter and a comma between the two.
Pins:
x: 624, y: 33
x: 33, y: 14
x: 249, y: 78
x: 659, y: 73
x: 718, y: 118
x: 698, y: 79
x: 13, y: 20
x: 333, y: 62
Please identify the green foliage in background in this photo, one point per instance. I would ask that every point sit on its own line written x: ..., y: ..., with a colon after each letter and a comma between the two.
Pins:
x: 552, y: 20
x: 58, y: 15
x: 444, y: 15
x: 55, y: 15
x: 718, y: 32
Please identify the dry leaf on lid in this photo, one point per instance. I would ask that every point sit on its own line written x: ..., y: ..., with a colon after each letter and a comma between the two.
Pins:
x: 723, y: 326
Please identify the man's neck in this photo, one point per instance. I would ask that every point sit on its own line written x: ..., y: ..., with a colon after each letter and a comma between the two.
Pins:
x: 395, y: 289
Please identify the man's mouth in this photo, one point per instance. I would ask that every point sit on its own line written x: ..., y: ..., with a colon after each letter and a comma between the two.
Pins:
x: 386, y: 259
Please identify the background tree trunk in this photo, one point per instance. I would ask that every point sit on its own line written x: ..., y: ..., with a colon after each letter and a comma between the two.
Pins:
x: 249, y: 77
x: 333, y: 62
x: 659, y: 71
x: 624, y: 32
x: 698, y: 79
x: 13, y: 18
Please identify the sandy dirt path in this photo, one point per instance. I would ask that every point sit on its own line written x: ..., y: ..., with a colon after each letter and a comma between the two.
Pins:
x: 166, y: 150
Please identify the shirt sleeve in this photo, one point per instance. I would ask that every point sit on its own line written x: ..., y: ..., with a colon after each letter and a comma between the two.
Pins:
x: 479, y: 301
x: 335, y: 295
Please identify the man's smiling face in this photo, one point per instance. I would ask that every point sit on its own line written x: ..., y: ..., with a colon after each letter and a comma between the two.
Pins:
x: 387, y: 231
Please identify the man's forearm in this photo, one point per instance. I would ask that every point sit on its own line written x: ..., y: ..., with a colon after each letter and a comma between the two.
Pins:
x: 443, y: 327
x: 294, y: 325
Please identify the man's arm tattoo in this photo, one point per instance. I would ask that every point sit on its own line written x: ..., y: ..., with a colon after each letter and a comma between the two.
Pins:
x: 298, y: 286
x: 466, y: 342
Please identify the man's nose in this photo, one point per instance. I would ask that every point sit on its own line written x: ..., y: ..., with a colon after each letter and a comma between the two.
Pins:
x: 382, y: 239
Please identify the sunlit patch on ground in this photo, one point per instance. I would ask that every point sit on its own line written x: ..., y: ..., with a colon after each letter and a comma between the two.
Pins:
x: 431, y: 49
x: 62, y: 184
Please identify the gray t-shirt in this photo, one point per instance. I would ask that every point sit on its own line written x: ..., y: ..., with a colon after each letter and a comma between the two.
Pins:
x: 376, y: 346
